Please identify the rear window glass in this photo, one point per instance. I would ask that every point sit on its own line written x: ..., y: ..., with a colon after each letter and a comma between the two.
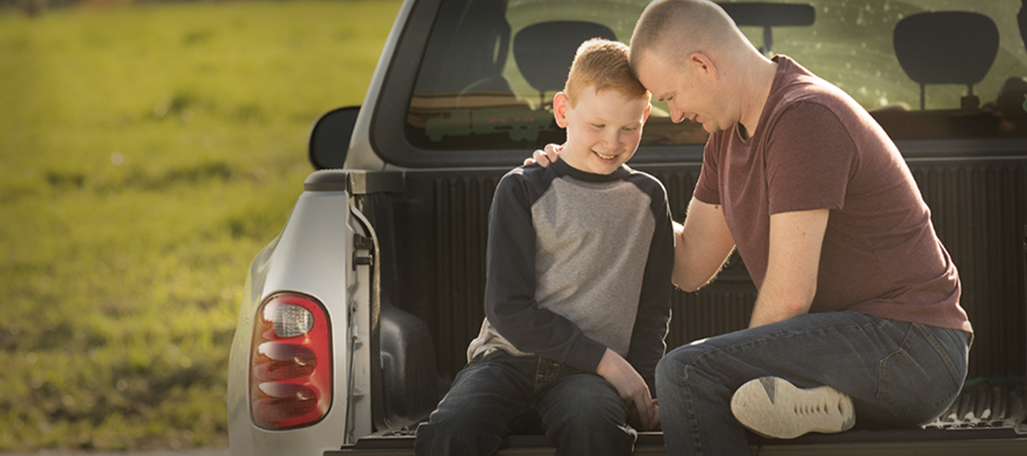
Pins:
x: 491, y: 67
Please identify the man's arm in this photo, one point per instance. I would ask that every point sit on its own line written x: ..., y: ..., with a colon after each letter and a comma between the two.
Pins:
x: 788, y: 289
x: 702, y: 245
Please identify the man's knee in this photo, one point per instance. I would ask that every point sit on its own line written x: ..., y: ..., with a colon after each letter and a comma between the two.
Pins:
x: 672, y: 366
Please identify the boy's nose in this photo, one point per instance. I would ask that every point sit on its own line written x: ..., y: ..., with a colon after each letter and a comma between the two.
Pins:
x: 610, y: 140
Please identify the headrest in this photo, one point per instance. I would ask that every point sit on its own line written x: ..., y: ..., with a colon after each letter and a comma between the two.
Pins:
x: 946, y: 47
x: 545, y: 51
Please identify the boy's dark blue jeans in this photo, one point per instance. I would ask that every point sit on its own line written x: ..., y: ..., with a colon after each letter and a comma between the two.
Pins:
x: 497, y: 395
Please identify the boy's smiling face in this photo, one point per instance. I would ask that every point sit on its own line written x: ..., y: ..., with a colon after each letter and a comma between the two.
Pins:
x: 603, y: 129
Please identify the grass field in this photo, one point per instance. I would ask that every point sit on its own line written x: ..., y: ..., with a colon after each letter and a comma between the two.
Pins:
x: 147, y: 154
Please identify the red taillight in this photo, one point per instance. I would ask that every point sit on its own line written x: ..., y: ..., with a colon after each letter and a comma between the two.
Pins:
x: 290, y: 363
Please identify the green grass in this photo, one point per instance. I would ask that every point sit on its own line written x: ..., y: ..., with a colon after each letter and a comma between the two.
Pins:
x: 147, y: 154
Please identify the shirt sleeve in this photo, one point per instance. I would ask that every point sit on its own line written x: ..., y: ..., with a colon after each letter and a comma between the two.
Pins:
x: 809, y: 159
x: 510, y: 303
x: 707, y: 187
x: 651, y: 323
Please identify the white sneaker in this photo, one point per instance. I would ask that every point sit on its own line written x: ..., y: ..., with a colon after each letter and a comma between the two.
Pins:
x: 773, y: 407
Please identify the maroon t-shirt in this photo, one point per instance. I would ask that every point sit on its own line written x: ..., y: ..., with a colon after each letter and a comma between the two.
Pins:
x: 816, y: 148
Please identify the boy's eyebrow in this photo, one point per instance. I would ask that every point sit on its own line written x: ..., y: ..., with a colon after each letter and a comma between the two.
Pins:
x: 593, y: 119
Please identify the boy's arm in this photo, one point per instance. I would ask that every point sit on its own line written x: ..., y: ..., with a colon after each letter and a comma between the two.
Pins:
x: 632, y: 388
x: 651, y: 323
x: 510, y: 285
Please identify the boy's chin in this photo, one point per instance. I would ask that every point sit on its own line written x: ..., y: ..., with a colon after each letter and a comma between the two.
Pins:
x: 603, y: 167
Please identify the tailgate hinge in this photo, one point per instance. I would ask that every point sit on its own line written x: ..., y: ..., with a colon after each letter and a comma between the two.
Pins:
x: 363, y: 251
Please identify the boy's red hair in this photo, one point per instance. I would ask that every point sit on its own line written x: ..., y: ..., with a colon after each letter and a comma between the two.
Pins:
x: 602, y: 64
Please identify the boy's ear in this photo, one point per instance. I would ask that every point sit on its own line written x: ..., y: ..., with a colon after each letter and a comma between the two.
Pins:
x: 648, y: 107
x: 560, y: 105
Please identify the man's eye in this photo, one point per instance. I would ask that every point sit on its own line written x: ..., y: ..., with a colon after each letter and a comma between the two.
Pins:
x: 598, y: 125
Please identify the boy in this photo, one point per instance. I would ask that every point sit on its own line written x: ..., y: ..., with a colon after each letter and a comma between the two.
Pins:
x: 578, y: 285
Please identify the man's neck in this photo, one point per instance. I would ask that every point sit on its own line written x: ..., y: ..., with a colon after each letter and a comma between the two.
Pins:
x: 758, y: 83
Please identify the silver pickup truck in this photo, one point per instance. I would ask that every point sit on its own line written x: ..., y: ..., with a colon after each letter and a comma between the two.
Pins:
x: 356, y: 318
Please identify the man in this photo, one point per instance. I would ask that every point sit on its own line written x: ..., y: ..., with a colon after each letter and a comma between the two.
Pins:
x: 858, y: 311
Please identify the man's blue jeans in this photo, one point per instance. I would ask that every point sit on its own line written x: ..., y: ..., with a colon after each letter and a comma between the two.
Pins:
x: 500, y: 395
x: 897, y: 373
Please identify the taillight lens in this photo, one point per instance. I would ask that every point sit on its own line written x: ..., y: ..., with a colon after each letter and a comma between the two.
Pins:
x: 290, y: 363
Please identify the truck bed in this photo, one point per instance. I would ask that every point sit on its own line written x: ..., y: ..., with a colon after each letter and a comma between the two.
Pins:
x: 433, y: 242
x: 986, y: 419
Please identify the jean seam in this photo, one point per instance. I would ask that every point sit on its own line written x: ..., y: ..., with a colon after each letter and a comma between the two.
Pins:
x: 915, y: 328
x: 783, y: 335
x: 544, y: 376
x: 893, y: 407
x: 506, y: 425
x: 772, y: 337
x: 693, y: 421
x: 931, y: 339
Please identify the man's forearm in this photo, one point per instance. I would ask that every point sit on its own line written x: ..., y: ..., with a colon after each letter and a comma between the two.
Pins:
x: 692, y: 269
x: 790, y: 283
x: 781, y: 297
x: 766, y: 311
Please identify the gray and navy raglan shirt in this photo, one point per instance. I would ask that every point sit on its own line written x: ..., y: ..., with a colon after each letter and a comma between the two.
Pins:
x: 578, y: 262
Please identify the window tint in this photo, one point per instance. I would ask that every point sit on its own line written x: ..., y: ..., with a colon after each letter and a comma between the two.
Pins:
x: 488, y: 75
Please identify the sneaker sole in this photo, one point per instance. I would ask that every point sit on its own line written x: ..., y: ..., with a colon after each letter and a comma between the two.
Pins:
x: 773, y: 407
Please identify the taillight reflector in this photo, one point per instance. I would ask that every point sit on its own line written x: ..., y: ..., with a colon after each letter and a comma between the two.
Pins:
x: 290, y: 363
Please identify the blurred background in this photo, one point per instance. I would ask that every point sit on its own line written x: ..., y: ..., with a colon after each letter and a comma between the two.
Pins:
x: 148, y: 151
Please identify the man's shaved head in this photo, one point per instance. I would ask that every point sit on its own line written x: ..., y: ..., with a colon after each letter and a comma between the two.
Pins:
x: 677, y: 28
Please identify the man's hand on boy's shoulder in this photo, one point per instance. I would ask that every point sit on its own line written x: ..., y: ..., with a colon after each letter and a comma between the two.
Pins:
x: 544, y: 157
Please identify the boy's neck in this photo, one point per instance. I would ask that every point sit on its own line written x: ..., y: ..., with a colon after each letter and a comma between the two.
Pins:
x: 565, y: 166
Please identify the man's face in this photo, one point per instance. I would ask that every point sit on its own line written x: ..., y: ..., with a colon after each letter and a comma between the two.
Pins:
x: 603, y: 129
x: 685, y: 88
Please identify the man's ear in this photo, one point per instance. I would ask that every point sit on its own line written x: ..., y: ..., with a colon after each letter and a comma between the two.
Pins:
x: 560, y: 105
x: 702, y: 64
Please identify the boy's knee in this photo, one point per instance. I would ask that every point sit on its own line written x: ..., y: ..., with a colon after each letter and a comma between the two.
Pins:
x: 454, y: 436
x: 604, y: 418
x: 587, y: 430
x: 599, y: 413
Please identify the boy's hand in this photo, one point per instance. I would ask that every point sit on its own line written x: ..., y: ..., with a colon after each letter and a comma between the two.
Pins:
x: 631, y: 387
x: 636, y: 422
x: 544, y: 158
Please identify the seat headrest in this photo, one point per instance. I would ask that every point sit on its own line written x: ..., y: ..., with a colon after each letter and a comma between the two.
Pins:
x: 545, y: 51
x: 946, y: 47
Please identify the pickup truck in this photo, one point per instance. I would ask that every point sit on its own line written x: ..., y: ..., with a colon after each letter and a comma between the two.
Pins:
x: 356, y: 318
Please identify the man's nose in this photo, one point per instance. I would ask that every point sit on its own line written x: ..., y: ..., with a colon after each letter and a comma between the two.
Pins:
x: 676, y: 115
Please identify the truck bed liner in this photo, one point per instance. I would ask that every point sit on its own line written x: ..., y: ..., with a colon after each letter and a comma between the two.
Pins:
x: 986, y: 419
